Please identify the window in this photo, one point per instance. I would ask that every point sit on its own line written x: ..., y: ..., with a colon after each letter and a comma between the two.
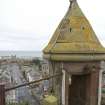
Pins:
x: 83, y: 28
x: 70, y: 29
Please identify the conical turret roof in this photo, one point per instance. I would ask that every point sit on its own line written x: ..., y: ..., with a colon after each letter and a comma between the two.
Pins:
x: 74, y: 37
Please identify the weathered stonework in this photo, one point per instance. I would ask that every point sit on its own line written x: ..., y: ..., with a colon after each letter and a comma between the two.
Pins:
x: 75, y: 49
x: 84, y: 85
x: 56, y: 83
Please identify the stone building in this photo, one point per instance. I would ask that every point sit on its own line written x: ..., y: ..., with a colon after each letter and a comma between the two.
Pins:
x: 75, y: 51
x: 45, y: 67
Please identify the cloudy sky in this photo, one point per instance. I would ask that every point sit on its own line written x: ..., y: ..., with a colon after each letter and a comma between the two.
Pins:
x: 29, y: 24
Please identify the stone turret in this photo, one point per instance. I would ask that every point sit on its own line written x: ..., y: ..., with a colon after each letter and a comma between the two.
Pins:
x: 74, y: 39
x: 75, y: 51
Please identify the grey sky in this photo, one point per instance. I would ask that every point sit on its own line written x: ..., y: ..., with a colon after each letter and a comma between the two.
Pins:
x: 29, y: 24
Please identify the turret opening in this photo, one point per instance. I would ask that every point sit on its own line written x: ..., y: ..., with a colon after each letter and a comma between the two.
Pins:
x: 70, y: 29
x: 83, y: 28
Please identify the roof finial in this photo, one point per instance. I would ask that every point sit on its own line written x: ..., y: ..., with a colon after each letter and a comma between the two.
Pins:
x: 72, y: 0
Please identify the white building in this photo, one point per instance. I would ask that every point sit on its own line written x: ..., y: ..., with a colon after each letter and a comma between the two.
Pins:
x: 45, y: 67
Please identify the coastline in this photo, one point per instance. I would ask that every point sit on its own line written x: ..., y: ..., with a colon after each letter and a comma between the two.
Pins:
x: 21, y: 54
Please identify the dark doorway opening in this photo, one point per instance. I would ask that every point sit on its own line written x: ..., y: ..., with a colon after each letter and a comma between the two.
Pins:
x: 78, y: 90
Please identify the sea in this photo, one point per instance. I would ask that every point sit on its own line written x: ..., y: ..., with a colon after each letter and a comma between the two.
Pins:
x: 21, y: 54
